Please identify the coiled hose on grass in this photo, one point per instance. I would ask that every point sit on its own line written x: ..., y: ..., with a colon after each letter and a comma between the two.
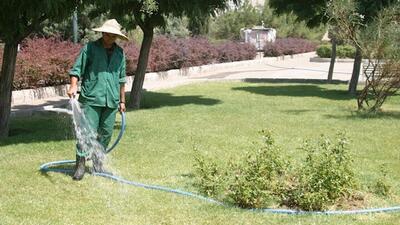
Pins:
x: 48, y: 167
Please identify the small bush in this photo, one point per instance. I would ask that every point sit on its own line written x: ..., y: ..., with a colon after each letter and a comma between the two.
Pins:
x: 382, y: 186
x: 342, y: 51
x: 252, y: 182
x: 288, y: 46
x: 325, y: 176
x: 209, y: 177
x: 324, y: 51
x: 346, y: 51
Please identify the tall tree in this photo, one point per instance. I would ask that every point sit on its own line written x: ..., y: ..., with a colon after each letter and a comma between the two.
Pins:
x: 149, y: 14
x: 18, y: 19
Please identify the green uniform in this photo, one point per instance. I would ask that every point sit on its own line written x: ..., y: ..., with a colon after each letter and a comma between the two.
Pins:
x: 101, y: 73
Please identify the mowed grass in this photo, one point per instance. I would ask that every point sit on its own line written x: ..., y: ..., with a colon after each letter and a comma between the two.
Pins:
x: 222, y: 121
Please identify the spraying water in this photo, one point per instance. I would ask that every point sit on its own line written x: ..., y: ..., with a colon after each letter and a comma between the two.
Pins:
x: 88, y: 145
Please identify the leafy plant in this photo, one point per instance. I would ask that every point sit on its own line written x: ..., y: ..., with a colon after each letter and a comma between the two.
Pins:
x: 382, y: 186
x: 209, y: 177
x: 254, y: 182
x: 325, y: 176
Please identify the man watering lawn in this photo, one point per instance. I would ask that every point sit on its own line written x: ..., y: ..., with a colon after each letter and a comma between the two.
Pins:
x: 101, y: 68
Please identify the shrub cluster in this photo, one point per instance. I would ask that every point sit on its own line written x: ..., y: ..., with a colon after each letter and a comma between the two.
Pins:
x: 252, y: 182
x: 46, y: 62
x: 170, y: 53
x: 288, y: 46
x: 342, y: 51
x: 324, y: 177
x: 264, y: 177
x: 232, y: 51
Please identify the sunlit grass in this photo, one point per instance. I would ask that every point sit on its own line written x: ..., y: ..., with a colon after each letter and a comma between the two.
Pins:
x: 219, y: 119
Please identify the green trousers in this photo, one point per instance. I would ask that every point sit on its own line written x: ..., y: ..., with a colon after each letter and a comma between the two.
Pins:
x: 102, y: 120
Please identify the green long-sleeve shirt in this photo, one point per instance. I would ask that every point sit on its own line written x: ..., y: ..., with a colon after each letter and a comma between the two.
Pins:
x: 101, y: 75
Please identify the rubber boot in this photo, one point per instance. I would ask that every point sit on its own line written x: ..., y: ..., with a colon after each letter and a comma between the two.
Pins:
x: 79, y: 168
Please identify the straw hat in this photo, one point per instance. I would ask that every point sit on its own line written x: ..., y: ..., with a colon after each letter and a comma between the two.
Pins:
x: 113, y: 27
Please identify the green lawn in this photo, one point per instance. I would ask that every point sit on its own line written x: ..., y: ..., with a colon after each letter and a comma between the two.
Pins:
x: 219, y: 119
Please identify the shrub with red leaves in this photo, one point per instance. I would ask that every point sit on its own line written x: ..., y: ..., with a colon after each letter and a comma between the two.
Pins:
x: 44, y: 62
x: 234, y: 51
x: 132, y: 55
x: 288, y: 46
x: 196, y: 51
x: 164, y: 55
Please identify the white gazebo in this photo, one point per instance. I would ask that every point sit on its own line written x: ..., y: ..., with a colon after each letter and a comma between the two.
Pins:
x: 258, y: 36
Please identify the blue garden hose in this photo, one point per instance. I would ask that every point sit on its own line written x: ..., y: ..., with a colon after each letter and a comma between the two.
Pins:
x: 121, y: 132
x: 47, y: 167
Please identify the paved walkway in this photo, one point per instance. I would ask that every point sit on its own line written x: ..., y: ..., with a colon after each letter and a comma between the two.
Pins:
x: 298, y: 68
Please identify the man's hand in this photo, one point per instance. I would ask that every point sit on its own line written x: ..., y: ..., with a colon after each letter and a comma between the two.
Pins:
x: 72, y: 91
x: 122, y: 107
x: 73, y: 88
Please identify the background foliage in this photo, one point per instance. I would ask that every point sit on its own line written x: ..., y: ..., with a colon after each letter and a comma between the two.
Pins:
x: 46, y: 61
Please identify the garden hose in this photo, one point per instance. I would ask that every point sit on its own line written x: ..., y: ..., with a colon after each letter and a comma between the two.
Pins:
x: 47, y: 167
x: 121, y: 132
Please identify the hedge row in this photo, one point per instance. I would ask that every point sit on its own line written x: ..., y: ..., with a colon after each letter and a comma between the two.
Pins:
x: 46, y: 62
x: 288, y: 46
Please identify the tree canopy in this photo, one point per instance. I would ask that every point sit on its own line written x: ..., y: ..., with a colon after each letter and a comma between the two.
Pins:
x: 18, y: 19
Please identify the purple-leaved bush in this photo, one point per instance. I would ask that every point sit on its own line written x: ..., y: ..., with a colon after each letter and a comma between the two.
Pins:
x: 288, y: 46
x: 46, y: 62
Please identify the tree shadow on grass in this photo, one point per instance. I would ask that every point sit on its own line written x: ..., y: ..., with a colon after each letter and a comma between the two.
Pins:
x: 299, y: 90
x: 45, y: 127
x: 39, y: 128
x: 59, y: 127
x: 151, y: 100
x: 356, y: 115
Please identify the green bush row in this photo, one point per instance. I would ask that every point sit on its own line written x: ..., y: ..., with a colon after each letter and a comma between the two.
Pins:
x: 342, y: 51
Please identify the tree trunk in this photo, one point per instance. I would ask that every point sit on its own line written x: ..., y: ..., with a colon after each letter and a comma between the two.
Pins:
x: 333, y: 59
x: 6, y: 81
x: 136, y: 91
x: 356, y: 72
